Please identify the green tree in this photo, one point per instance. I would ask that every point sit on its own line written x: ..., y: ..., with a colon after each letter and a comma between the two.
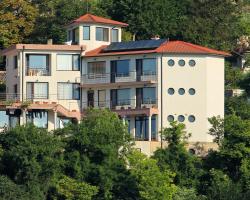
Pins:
x: 232, y: 76
x: 153, y: 183
x: 95, y: 153
x: 70, y: 189
x: 17, y: 18
x: 31, y: 157
x: 245, y: 84
x: 187, y: 167
x: 217, y: 129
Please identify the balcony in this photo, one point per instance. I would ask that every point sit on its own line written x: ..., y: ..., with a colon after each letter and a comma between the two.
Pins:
x: 109, y: 80
x: 43, y: 71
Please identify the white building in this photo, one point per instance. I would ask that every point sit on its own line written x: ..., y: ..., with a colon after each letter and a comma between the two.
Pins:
x: 148, y: 83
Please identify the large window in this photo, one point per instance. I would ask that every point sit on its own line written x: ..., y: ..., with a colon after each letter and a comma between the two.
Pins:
x: 102, y: 34
x: 123, y: 97
x: 75, y: 36
x: 68, y: 91
x: 96, y: 68
x: 141, y: 128
x: 37, y: 90
x: 37, y: 61
x: 114, y: 35
x: 149, y: 66
x: 38, y: 117
x: 122, y: 68
x: 86, y: 32
x: 149, y: 95
x: 68, y: 62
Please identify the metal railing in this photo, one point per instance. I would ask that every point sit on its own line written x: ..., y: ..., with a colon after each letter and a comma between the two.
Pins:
x: 42, y: 71
x: 131, y: 76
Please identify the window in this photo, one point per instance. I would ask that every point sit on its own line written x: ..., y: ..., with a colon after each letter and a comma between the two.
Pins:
x: 181, y: 63
x: 114, y: 35
x: 171, y: 91
x: 171, y: 63
x: 191, y: 118
x: 96, y: 68
x: 149, y: 95
x: 68, y: 62
x: 62, y: 122
x: 68, y: 91
x: 141, y: 128
x: 123, y: 97
x: 153, y: 128
x: 37, y: 90
x: 122, y: 68
x: 149, y: 66
x: 15, y: 62
x: 191, y: 91
x: 102, y: 34
x: 86, y: 32
x: 181, y: 118
x: 37, y: 61
x: 15, y: 91
x: 69, y: 36
x: 192, y: 63
x: 14, y: 121
x: 170, y: 118
x: 75, y: 36
x: 101, y: 98
x: 38, y: 117
x: 4, y: 119
x: 181, y: 91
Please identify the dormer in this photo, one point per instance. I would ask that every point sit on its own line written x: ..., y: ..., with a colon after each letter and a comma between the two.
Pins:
x: 94, y: 31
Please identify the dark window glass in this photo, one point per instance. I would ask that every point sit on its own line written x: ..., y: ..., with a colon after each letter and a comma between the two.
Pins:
x: 149, y: 95
x: 149, y: 66
x: 171, y: 91
x: 141, y: 128
x: 122, y: 68
x: 102, y: 34
x: 170, y: 118
x: 181, y: 118
x: 171, y: 63
x: 191, y: 91
x: 15, y: 62
x: 181, y: 91
x: 181, y: 63
x: 191, y: 118
x: 192, y: 63
x: 114, y: 36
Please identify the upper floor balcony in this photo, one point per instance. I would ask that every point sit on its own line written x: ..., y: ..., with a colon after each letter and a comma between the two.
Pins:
x: 105, y: 79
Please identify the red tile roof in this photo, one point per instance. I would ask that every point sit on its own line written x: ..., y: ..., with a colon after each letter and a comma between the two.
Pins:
x: 88, y: 18
x: 175, y: 47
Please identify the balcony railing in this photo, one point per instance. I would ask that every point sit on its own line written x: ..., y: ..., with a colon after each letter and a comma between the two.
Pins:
x: 37, y: 71
x: 132, y: 76
x: 121, y: 104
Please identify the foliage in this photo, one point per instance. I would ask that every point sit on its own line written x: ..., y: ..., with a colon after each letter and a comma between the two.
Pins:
x: 10, y: 191
x: 187, y: 167
x: 187, y: 194
x: 152, y: 183
x: 245, y: 84
x: 238, y: 106
x: 232, y: 76
x: 217, y: 129
x: 17, y: 19
x: 31, y: 157
x: 95, y: 153
x: 70, y: 189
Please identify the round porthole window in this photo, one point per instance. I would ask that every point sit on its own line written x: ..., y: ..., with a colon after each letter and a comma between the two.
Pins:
x: 171, y: 63
x: 191, y: 91
x: 181, y: 63
x: 170, y: 118
x: 192, y: 63
x: 181, y: 118
x: 171, y: 91
x: 191, y: 118
x: 181, y: 91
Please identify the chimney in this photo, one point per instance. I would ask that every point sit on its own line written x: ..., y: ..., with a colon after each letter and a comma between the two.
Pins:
x: 50, y: 41
x: 156, y: 37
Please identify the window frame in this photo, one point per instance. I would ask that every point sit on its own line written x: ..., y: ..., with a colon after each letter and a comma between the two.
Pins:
x: 115, y: 29
x: 33, y: 84
x: 72, y: 95
x: 83, y: 32
x: 15, y: 61
x: 103, y: 38
x: 72, y: 62
x: 27, y: 60
x: 32, y: 118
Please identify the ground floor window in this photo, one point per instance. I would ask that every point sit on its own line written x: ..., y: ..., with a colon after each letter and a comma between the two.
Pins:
x: 4, y: 119
x: 14, y: 121
x: 38, y: 117
x: 141, y: 128
x: 62, y: 122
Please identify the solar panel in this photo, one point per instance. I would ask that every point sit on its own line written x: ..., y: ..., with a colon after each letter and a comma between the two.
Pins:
x: 134, y: 45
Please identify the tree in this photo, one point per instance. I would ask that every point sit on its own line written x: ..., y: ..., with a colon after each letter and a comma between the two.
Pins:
x: 31, y: 157
x: 95, y: 153
x: 245, y: 84
x: 217, y: 129
x: 175, y: 157
x: 70, y: 189
x: 232, y: 76
x: 153, y: 184
x: 17, y: 18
